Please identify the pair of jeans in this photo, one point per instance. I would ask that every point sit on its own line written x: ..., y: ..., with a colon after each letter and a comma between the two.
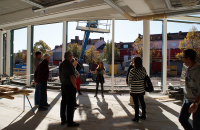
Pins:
x: 184, y: 117
x: 136, y: 105
x: 97, y: 86
x: 68, y: 98
x: 36, y: 95
x: 42, y: 94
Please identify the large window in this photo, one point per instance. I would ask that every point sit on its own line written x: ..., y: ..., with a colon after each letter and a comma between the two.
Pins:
x: 125, y: 46
x: 174, y: 44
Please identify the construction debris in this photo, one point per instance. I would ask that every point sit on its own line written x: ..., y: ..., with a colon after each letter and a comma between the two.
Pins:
x: 121, y: 72
x: 8, y: 92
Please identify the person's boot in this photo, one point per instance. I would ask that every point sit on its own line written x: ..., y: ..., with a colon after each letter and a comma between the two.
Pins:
x: 135, y: 119
x: 143, y: 116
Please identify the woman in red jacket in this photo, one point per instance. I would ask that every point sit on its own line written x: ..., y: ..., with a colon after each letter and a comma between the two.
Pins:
x: 78, y: 81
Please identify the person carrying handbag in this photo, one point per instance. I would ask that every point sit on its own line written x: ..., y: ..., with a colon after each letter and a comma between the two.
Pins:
x: 137, y: 89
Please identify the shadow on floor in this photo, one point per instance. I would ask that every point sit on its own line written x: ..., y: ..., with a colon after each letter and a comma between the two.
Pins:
x: 109, y: 113
x: 30, y: 121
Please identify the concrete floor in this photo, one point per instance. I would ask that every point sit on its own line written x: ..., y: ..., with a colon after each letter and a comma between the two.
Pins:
x: 109, y: 113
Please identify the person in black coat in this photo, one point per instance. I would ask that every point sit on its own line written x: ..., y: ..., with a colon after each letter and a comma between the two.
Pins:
x: 41, y: 76
x: 99, y: 79
x: 68, y: 87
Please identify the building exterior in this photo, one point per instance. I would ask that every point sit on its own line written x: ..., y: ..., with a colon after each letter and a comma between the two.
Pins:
x: 173, y: 40
x: 127, y: 50
x: 57, y: 51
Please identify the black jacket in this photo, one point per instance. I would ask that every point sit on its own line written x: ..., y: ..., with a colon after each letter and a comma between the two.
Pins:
x: 66, y: 69
x: 42, y: 72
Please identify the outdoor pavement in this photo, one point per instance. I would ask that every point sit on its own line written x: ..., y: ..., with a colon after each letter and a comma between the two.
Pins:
x: 109, y: 113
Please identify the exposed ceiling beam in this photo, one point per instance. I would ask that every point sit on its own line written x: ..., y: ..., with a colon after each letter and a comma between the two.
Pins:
x: 170, y: 7
x: 33, y: 3
x: 177, y: 21
x: 149, y: 17
x: 183, y: 13
x: 119, y: 9
x: 59, y: 5
x: 57, y: 15
x: 138, y: 6
x: 188, y: 18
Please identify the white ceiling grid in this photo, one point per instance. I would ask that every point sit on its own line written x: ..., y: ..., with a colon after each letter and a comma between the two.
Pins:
x: 16, y: 13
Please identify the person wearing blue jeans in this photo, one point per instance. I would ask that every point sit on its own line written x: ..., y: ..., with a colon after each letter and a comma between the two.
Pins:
x: 192, y: 92
x: 36, y: 63
x: 42, y: 94
x: 185, y: 114
x: 36, y: 95
x: 41, y: 76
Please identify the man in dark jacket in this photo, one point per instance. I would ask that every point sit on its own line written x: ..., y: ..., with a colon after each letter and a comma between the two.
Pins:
x: 68, y: 88
x: 41, y: 76
x: 36, y: 63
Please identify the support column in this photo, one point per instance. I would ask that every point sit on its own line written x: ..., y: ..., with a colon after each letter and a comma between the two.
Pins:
x: 113, y: 53
x: 29, y: 52
x: 1, y: 52
x: 8, y: 52
x: 11, y: 51
x: 164, y: 55
x: 65, y: 36
x: 146, y: 46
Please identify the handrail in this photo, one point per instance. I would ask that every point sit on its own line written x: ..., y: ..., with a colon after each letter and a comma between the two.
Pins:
x: 19, y: 71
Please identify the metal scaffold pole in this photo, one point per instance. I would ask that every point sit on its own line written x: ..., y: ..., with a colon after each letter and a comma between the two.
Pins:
x: 113, y: 52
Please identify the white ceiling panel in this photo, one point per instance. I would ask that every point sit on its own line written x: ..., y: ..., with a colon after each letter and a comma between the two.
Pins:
x: 16, y: 13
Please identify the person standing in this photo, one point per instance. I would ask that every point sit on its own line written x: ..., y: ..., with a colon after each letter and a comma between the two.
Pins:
x: 41, y: 76
x: 137, y: 89
x: 68, y: 89
x: 78, y: 81
x: 36, y: 62
x: 74, y: 63
x: 130, y: 67
x: 192, y: 92
x: 99, y: 79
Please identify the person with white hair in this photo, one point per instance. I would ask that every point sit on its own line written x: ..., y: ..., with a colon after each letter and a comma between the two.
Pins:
x: 41, y: 76
x: 67, y: 77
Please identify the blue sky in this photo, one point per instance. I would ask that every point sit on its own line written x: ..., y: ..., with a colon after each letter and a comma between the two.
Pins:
x: 125, y: 31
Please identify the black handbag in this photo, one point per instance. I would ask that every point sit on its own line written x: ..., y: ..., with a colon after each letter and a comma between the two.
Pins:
x: 148, y: 84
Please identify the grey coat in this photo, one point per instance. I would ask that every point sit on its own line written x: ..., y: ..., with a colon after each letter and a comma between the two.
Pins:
x: 192, y: 83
